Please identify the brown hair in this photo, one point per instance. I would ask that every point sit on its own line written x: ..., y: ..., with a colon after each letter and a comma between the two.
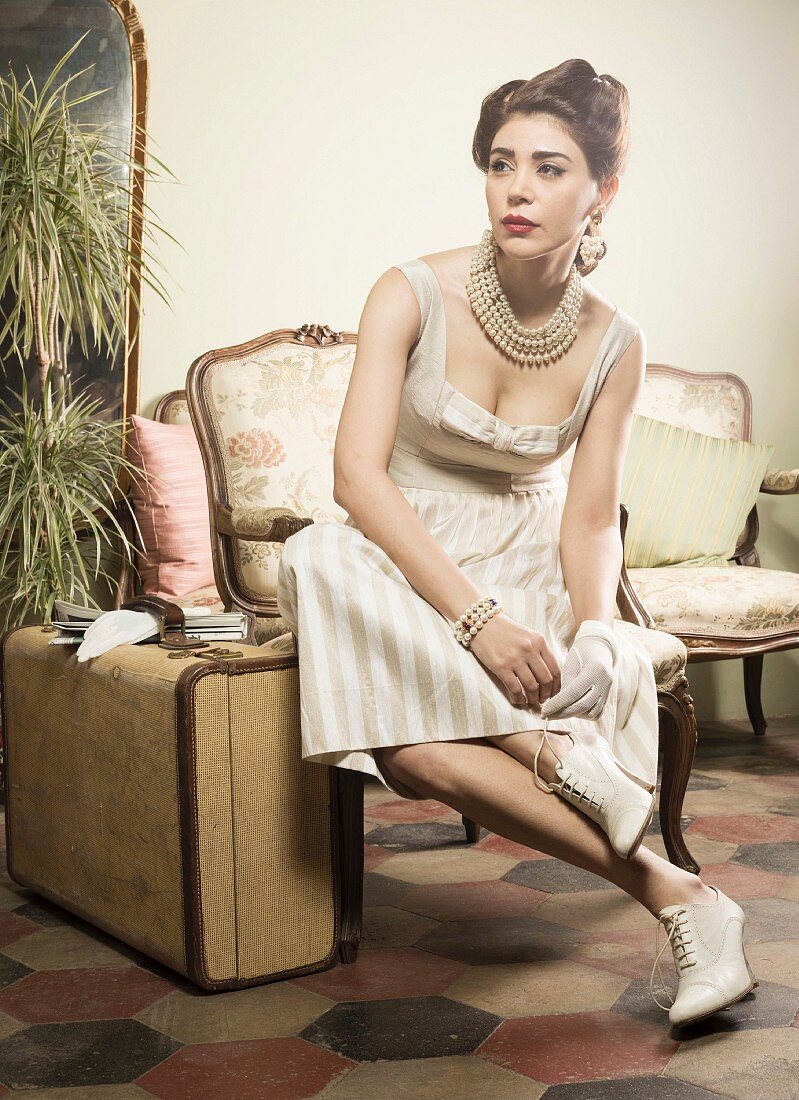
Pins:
x: 593, y: 109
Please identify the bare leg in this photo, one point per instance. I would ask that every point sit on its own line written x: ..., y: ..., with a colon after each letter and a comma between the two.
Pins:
x: 491, y: 786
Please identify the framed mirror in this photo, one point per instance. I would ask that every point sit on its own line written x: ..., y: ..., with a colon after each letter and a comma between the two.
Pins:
x: 34, y: 35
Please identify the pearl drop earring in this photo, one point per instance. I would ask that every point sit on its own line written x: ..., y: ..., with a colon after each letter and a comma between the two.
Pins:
x: 592, y: 245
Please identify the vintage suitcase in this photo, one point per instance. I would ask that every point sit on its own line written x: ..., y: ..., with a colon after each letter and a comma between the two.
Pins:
x: 164, y: 799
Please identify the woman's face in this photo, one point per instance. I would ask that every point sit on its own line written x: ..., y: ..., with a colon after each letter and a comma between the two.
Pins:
x: 536, y: 171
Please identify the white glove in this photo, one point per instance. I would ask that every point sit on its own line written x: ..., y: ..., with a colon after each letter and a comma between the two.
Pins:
x: 587, y: 674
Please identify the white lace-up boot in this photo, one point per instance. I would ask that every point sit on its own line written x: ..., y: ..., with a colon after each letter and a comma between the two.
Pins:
x: 712, y: 969
x: 592, y: 780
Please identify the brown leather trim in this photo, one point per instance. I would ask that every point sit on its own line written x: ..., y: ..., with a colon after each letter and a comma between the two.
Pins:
x: 185, y: 741
x: 6, y: 781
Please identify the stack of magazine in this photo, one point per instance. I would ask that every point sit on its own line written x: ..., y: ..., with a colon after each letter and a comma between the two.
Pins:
x: 71, y: 621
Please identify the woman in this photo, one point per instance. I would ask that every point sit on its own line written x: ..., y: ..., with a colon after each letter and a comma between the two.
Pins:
x: 468, y: 599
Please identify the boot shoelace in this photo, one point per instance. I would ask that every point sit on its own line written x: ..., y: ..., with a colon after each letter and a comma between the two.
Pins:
x: 570, y: 786
x: 679, y: 936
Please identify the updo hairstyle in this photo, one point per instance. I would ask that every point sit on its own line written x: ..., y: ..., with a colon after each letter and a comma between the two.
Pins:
x: 593, y: 109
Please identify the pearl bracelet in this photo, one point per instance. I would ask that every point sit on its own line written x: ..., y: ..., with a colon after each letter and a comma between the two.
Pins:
x: 474, y: 618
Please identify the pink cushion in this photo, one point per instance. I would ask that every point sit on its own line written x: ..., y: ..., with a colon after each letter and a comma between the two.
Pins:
x: 171, y: 506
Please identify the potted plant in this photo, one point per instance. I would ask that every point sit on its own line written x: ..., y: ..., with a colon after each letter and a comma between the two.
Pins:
x: 66, y: 195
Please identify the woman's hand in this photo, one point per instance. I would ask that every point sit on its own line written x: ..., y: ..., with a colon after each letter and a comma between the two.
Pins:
x: 519, y: 657
x: 587, y: 674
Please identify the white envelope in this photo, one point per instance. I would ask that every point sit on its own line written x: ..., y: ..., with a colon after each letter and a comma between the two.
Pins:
x: 114, y: 628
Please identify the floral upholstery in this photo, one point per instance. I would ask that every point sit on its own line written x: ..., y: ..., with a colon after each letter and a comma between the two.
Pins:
x: 177, y: 411
x: 202, y: 597
x: 736, y: 601
x: 781, y: 481
x: 713, y: 405
x: 277, y: 412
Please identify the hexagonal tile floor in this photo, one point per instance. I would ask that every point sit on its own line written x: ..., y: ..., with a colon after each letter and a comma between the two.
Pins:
x: 484, y: 970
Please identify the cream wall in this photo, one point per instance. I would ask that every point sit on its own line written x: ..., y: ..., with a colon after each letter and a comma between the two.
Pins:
x: 319, y: 143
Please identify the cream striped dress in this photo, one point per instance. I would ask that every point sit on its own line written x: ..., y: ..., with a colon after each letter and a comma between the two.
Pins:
x: 378, y: 664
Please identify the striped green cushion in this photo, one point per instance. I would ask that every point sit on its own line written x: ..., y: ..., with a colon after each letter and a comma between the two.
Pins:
x: 687, y: 494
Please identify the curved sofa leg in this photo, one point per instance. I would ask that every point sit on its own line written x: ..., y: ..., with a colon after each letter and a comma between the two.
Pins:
x: 753, y: 677
x: 678, y: 738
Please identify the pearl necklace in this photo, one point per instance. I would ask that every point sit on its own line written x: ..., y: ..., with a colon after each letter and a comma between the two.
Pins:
x: 492, y: 309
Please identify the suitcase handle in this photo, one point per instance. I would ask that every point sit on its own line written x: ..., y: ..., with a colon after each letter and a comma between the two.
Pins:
x: 171, y: 620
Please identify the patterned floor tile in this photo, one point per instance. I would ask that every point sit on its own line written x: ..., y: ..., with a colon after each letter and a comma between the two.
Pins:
x: 374, y: 856
x: 553, y: 876
x: 764, y: 786
x: 629, y: 959
x: 790, y: 888
x: 789, y: 783
x: 12, y: 895
x: 767, y: 1006
x: 454, y: 864
x: 701, y: 781
x: 654, y: 828
x: 631, y: 1088
x: 746, y: 828
x: 84, y: 1092
x: 581, y: 1046
x: 380, y: 889
x: 270, y: 1011
x: 712, y: 747
x: 433, y: 1079
x: 65, y: 948
x: 472, y: 900
x: 595, y: 910
x: 741, y: 882
x: 407, y: 810
x: 718, y: 803
x: 403, y: 970
x: 770, y: 1005
x: 537, y: 989
x: 727, y: 777
x: 636, y: 1000
x: 8, y: 1025
x: 491, y: 842
x: 742, y: 1064
x: 108, y: 993
x: 14, y: 927
x: 492, y: 935
x: 703, y: 850
x: 411, y: 1027
x: 280, y: 1069
x: 390, y: 926
x: 775, y: 961
x: 770, y: 919
x: 96, y: 1053
x: 781, y: 858
x: 744, y: 765
x: 47, y: 914
x: 419, y: 836
x: 501, y: 940
x: 11, y: 971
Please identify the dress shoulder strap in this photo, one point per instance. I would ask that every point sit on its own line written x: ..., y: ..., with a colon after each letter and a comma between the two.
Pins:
x: 622, y: 333
x: 419, y: 276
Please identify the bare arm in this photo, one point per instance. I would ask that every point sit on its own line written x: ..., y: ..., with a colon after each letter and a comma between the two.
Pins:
x: 365, y: 439
x: 390, y: 322
x: 590, y: 537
